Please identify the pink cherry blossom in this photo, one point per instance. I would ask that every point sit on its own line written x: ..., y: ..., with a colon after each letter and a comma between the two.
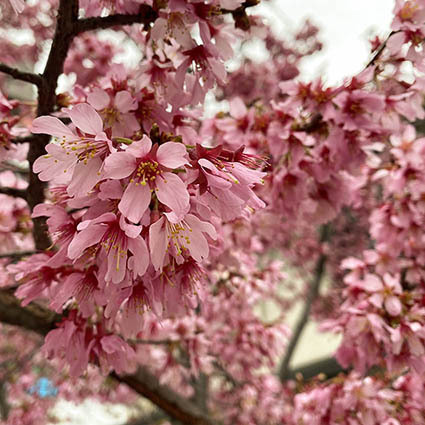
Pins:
x: 74, y: 159
x: 149, y: 171
x: 117, y: 238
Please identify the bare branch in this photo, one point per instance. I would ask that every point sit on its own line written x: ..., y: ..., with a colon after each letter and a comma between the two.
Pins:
x: 147, y: 385
x: 148, y: 15
x: 27, y: 139
x: 16, y: 193
x: 32, y: 317
x: 311, y: 296
x: 379, y: 51
x: 64, y: 34
x: 145, y: 16
x: 28, y: 77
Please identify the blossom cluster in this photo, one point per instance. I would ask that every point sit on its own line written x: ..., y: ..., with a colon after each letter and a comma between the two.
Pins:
x: 164, y: 224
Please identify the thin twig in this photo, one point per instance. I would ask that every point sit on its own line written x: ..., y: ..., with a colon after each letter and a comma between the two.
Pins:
x: 17, y: 255
x: 311, y: 296
x: 328, y: 368
x: 7, y: 165
x: 228, y: 375
x: 146, y: 16
x: 153, y: 341
x: 379, y: 51
x: 28, y: 77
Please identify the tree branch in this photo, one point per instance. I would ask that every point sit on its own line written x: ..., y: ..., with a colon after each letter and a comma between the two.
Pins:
x: 311, y: 296
x: 153, y: 418
x: 41, y: 320
x: 147, y: 385
x: 17, y: 255
x: 380, y: 49
x: 32, y: 317
x: 145, y: 16
x: 11, y: 191
x: 28, y: 77
x: 64, y: 34
x: 7, y: 165
x: 27, y: 139
x: 328, y: 367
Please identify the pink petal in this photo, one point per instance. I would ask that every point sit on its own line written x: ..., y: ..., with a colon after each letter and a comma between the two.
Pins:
x: 172, y: 155
x: 119, y: 165
x: 393, y: 305
x: 140, y: 260
x: 85, y: 177
x: 124, y: 102
x: 111, y: 344
x: 130, y: 230
x: 117, y: 266
x: 198, y: 246
x: 157, y: 243
x: 52, y: 126
x: 173, y: 193
x: 98, y: 98
x: 111, y: 189
x: 140, y: 148
x: 202, y: 226
x: 86, y: 118
x: 82, y: 240
x: 237, y: 108
x: 18, y: 5
x: 135, y: 201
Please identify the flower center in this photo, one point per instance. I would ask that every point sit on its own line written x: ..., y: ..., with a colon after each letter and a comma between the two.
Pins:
x: 110, y: 116
x: 147, y: 172
x: 408, y: 10
x: 178, y: 236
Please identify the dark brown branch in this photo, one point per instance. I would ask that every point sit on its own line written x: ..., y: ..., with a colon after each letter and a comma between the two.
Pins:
x: 311, y: 296
x: 28, y: 77
x: 41, y: 320
x: 4, y: 405
x: 27, y: 139
x: 315, y: 123
x: 327, y: 367
x: 145, y: 16
x: 147, y: 385
x: 11, y: 191
x: 239, y: 15
x: 380, y: 49
x: 153, y: 418
x: 31, y: 317
x: 64, y: 34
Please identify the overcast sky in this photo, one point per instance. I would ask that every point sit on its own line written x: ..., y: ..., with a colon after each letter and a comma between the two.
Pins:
x: 346, y: 26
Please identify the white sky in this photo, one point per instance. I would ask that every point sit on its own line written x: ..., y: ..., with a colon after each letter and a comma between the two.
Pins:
x: 345, y: 27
